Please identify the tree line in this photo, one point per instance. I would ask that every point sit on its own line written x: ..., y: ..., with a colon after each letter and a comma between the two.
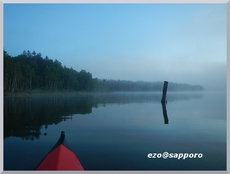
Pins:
x: 31, y: 71
x: 125, y: 85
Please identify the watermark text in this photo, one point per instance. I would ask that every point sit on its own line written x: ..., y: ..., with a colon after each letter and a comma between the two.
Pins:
x: 183, y: 156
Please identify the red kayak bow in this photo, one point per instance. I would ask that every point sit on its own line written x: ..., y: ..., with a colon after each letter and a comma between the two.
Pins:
x: 60, y: 158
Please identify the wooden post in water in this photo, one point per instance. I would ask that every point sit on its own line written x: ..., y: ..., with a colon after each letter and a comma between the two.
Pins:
x: 163, y: 100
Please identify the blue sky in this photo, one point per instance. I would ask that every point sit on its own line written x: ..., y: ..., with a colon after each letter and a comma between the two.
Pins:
x: 184, y: 43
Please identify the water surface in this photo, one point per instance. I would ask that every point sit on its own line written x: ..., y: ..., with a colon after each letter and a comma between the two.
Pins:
x: 116, y: 131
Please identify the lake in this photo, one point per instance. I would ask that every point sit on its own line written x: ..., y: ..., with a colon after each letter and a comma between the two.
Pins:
x: 117, y: 131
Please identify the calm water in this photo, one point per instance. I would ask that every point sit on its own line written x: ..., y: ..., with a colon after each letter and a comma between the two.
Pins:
x: 116, y: 131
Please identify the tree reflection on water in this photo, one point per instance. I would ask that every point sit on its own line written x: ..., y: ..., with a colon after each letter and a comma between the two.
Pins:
x: 25, y: 116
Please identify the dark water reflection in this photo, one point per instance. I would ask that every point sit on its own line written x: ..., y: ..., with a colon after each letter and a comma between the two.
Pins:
x: 25, y: 116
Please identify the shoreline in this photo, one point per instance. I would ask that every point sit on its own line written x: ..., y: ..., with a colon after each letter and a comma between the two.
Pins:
x: 42, y: 93
x: 45, y: 93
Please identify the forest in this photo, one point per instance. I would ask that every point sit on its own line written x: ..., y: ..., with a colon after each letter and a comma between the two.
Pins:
x: 30, y: 71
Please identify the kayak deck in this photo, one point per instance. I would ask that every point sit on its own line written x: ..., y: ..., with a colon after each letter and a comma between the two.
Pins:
x: 60, y: 158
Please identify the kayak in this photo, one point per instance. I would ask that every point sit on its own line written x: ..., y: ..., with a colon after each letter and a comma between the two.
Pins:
x: 60, y: 157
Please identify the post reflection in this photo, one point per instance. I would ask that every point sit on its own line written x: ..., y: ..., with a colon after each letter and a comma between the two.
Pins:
x: 164, y: 109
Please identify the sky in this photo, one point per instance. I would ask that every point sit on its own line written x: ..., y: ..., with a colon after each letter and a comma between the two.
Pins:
x: 182, y: 43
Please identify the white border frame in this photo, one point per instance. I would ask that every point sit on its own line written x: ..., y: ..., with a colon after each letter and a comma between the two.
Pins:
x: 227, y: 2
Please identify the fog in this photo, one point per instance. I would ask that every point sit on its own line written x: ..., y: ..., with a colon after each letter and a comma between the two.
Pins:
x: 182, y: 43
